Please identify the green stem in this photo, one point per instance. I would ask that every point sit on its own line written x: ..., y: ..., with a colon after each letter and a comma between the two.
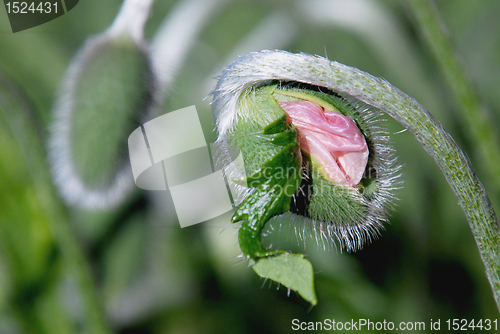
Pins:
x: 443, y: 149
x: 472, y: 110
x: 279, y: 65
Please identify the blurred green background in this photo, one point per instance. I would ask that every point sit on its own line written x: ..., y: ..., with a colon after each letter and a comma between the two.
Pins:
x: 154, y: 277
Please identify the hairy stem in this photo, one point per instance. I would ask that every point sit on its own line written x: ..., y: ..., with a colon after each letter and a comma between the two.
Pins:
x: 279, y: 65
x: 473, y: 112
x: 131, y: 19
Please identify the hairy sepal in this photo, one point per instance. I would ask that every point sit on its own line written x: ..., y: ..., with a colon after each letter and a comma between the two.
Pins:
x: 332, y: 212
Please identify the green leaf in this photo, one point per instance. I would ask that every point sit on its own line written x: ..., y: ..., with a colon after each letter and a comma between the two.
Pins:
x: 291, y: 270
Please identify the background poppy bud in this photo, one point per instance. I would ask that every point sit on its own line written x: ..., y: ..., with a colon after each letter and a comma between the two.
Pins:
x: 106, y: 93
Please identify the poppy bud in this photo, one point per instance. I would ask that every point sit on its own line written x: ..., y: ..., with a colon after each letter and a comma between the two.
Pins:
x: 347, y: 166
x: 106, y: 93
x: 328, y: 199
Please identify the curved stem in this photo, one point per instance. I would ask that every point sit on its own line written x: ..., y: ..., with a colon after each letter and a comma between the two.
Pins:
x: 279, y: 65
x: 472, y: 110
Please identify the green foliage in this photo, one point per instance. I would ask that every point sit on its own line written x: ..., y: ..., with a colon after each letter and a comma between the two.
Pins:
x: 29, y: 216
x: 155, y: 277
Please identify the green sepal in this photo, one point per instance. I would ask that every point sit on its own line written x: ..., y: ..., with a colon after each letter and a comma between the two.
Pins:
x: 275, y: 180
x: 291, y: 270
x: 275, y: 184
x: 278, y: 126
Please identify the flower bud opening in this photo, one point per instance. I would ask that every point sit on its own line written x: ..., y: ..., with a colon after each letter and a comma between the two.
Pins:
x: 331, y: 138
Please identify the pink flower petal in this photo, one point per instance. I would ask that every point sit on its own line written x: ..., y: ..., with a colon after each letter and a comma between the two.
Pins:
x: 333, y: 139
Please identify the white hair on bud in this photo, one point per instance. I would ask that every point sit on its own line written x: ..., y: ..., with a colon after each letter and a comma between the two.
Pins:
x: 259, y: 68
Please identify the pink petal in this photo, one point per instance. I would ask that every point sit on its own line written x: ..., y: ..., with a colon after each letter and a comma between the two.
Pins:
x: 333, y: 139
x: 315, y: 147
